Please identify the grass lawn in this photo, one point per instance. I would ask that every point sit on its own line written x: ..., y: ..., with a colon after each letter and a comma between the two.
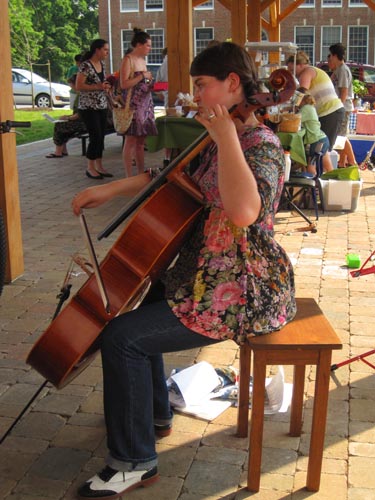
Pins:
x: 40, y: 127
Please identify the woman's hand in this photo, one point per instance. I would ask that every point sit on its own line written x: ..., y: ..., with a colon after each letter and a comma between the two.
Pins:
x: 218, y: 122
x: 91, y: 197
x: 147, y: 75
x: 97, y: 195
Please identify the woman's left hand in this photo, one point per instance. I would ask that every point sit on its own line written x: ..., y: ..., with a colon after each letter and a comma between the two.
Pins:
x: 217, y: 121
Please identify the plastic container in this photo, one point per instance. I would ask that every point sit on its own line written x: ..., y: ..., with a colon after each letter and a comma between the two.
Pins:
x: 334, y: 158
x: 340, y: 195
x: 353, y: 260
x: 288, y: 163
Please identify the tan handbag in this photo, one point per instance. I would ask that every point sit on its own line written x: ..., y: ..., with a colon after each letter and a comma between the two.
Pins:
x: 123, y: 116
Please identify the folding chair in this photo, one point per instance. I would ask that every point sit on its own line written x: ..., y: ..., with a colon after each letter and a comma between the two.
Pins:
x: 301, y: 184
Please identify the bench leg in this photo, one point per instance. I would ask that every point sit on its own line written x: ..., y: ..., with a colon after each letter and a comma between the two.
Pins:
x: 243, y: 392
x: 256, y: 423
x: 319, y: 420
x: 295, y: 428
x: 83, y: 140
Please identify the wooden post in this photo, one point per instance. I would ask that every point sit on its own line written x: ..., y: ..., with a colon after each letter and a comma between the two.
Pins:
x: 9, y: 193
x: 239, y: 21
x: 180, y: 47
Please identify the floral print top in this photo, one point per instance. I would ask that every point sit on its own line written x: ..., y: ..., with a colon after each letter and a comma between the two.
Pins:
x: 232, y: 282
x: 95, y: 99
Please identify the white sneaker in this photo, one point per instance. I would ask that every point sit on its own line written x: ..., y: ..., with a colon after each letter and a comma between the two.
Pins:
x: 110, y: 483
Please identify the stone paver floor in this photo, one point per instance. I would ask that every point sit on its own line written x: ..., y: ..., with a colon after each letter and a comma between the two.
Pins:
x: 60, y: 440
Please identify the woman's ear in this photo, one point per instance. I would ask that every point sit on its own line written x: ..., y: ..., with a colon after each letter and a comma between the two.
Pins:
x: 234, y: 81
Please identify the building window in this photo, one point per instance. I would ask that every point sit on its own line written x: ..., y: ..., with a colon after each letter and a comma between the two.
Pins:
x: 154, y: 5
x: 357, y: 3
x: 129, y: 6
x: 202, y: 37
x: 330, y: 35
x: 331, y: 3
x: 304, y: 39
x: 155, y: 57
x: 357, y: 44
x: 308, y: 3
x: 205, y: 5
x: 126, y: 38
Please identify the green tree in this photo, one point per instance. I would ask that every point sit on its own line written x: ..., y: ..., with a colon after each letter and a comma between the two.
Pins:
x: 64, y: 28
x: 25, y: 40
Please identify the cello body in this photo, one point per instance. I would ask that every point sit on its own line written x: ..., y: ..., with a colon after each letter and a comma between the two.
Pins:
x: 145, y: 248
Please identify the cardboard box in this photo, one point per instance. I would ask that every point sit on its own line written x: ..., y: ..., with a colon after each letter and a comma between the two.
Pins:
x: 340, y: 195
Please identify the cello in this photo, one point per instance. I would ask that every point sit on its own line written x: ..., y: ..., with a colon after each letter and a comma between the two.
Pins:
x: 162, y: 216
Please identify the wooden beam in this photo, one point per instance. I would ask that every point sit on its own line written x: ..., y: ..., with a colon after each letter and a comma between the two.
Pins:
x: 9, y: 193
x: 274, y: 30
x: 180, y: 46
x: 254, y: 25
x: 239, y: 21
x: 290, y: 9
x: 370, y: 3
x: 226, y: 3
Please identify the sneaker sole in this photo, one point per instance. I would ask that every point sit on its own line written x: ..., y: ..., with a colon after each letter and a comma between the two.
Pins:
x: 145, y: 483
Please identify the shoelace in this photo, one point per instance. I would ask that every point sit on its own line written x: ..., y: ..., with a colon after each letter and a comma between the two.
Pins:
x: 107, y: 473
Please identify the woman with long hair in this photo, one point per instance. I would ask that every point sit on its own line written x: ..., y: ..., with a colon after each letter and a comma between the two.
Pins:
x: 93, y: 103
x: 135, y: 78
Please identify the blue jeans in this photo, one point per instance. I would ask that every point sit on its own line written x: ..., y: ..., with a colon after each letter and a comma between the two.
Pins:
x: 135, y: 390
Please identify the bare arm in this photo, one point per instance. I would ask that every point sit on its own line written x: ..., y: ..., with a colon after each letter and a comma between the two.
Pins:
x: 237, y: 184
x: 343, y: 94
x: 81, y: 84
x: 98, y: 195
x: 306, y: 77
x: 125, y: 71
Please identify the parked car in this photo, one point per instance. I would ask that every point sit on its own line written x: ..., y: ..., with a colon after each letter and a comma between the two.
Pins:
x: 363, y: 72
x: 22, y: 90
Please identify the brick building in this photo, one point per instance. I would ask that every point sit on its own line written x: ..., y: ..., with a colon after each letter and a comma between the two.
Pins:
x: 314, y: 26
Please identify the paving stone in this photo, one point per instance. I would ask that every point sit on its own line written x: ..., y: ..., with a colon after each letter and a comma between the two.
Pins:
x: 39, y: 426
x: 59, y: 403
x: 81, y: 438
x: 218, y: 435
x: 25, y: 445
x: 41, y: 487
x: 331, y: 486
x: 175, y: 461
x: 360, y: 494
x: 361, y: 472
x: 212, y: 479
x: 362, y: 449
x: 60, y: 464
x: 14, y: 465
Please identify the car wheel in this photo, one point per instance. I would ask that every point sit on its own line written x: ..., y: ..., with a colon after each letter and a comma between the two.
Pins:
x: 43, y: 101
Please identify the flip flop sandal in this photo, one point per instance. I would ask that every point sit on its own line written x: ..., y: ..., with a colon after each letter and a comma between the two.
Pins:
x: 52, y: 155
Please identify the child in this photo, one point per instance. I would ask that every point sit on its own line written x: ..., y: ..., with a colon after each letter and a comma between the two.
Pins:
x: 231, y: 279
x: 314, y: 136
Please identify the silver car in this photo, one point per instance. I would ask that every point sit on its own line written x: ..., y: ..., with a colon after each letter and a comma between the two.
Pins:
x: 29, y: 87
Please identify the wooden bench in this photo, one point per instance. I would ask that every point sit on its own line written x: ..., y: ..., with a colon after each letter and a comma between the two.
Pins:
x: 308, y: 340
x: 84, y: 137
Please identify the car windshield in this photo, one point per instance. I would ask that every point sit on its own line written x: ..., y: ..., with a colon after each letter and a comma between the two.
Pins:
x: 369, y: 76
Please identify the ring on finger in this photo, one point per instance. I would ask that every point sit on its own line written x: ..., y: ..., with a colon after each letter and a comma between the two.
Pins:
x: 212, y: 115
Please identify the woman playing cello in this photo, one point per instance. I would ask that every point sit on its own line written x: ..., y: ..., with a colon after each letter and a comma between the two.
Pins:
x: 231, y: 280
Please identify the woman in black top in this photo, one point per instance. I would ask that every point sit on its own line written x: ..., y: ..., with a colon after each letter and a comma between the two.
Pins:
x: 93, y: 103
